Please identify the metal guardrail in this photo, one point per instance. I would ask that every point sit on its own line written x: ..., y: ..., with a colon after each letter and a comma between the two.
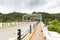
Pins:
x: 22, y: 36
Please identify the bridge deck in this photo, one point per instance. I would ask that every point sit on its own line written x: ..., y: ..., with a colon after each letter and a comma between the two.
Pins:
x: 38, y: 35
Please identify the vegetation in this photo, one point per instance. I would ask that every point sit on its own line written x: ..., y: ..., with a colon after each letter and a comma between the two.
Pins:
x: 46, y: 17
x: 53, y: 18
x: 17, y: 16
x: 10, y: 17
x: 54, y: 26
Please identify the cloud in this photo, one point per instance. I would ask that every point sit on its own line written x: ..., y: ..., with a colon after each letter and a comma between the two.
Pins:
x: 37, y: 2
x: 29, y: 5
x: 5, y: 10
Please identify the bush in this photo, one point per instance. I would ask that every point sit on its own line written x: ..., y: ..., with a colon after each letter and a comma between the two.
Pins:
x: 58, y: 29
x: 0, y: 20
x: 52, y: 28
x: 55, y: 22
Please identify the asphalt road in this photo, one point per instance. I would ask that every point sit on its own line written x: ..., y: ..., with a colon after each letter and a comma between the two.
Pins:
x: 10, y: 32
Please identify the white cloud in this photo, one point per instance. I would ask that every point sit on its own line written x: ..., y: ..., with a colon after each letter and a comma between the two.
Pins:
x: 51, y: 6
x: 5, y: 10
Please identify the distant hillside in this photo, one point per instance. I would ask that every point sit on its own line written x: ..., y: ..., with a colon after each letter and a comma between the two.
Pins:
x: 14, y: 16
x: 17, y: 16
x: 47, y: 17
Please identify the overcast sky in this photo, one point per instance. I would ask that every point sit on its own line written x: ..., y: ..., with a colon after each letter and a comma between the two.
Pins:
x: 28, y: 6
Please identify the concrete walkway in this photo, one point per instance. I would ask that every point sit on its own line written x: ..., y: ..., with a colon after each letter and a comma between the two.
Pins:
x: 38, y: 35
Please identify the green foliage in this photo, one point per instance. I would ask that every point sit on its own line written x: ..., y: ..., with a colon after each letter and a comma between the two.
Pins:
x: 0, y: 20
x: 10, y: 17
x: 54, y: 26
x: 58, y: 30
x: 48, y: 17
x: 17, y: 16
x: 54, y: 22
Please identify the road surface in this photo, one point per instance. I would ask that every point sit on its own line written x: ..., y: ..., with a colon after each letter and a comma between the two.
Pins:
x: 10, y: 32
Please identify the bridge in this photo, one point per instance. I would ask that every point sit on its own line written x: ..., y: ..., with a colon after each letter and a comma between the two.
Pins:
x: 35, y: 32
x: 32, y: 30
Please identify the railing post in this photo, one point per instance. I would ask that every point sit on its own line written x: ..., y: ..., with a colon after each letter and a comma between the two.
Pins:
x: 19, y: 34
x: 10, y: 23
x: 2, y: 24
x: 30, y: 29
x: 33, y: 26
